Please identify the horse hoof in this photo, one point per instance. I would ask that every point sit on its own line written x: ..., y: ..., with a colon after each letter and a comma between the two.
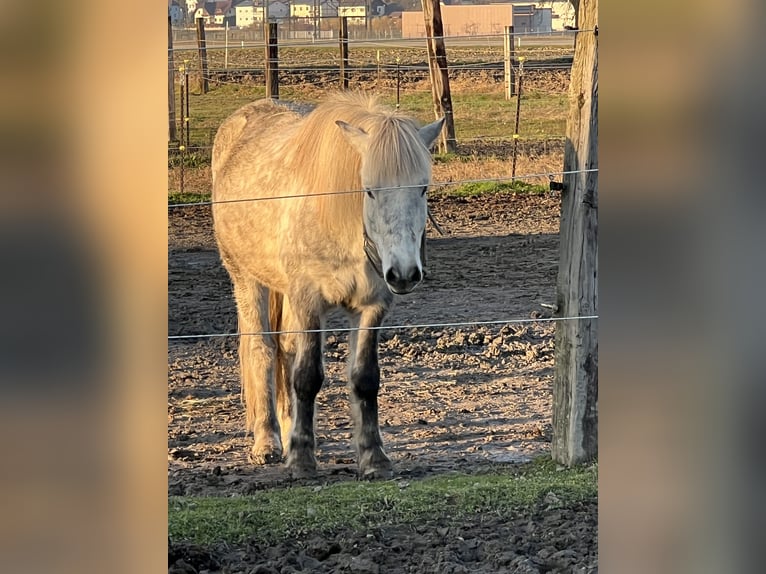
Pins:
x: 376, y: 467
x: 301, y: 467
x: 267, y: 456
x: 374, y: 464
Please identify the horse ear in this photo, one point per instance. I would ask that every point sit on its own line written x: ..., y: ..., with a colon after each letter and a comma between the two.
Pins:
x: 357, y: 137
x: 430, y: 132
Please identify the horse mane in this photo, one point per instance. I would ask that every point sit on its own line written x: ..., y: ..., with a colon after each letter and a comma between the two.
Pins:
x: 324, y: 161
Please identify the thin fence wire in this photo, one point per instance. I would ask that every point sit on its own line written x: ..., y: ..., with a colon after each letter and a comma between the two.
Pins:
x: 460, y: 140
x: 385, y: 327
x: 346, y: 192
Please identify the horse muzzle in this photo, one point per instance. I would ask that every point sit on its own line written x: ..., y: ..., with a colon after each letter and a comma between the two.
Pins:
x: 401, y: 282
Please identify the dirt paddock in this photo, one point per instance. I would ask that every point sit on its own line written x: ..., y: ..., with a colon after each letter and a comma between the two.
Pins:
x: 452, y: 399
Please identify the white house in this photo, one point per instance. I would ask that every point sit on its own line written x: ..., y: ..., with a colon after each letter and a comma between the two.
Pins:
x: 356, y: 14
x: 307, y: 9
x: 244, y: 14
x: 247, y: 14
x: 191, y: 6
x: 216, y: 12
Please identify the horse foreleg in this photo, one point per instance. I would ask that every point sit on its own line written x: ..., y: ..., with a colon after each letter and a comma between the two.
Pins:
x: 256, y: 359
x: 364, y: 383
x: 307, y: 377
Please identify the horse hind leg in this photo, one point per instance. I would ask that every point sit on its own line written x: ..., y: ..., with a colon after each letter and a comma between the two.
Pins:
x: 364, y: 384
x: 281, y: 320
x: 256, y: 355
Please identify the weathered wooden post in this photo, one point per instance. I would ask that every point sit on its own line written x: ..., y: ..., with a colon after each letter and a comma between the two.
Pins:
x: 272, y: 60
x: 575, y: 387
x: 509, y: 54
x: 202, y: 48
x: 171, y: 87
x: 343, y: 36
x: 437, y: 68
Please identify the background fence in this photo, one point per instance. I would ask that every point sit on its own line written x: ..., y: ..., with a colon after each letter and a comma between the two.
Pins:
x: 212, y: 80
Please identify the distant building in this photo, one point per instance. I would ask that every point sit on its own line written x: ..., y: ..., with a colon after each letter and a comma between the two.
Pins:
x: 541, y: 15
x: 528, y: 18
x: 218, y: 12
x: 244, y: 14
x: 191, y: 7
x: 562, y: 14
x: 176, y: 13
x: 491, y: 19
x: 248, y: 14
x: 356, y: 14
x: 463, y: 20
x: 310, y: 9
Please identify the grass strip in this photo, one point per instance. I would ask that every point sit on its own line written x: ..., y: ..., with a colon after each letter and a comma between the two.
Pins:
x: 176, y: 198
x: 279, y: 513
x: 491, y: 187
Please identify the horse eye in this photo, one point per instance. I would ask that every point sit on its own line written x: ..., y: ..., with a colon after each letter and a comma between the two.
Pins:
x: 422, y: 193
x: 369, y: 194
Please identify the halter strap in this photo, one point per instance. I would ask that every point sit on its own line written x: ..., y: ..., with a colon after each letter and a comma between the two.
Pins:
x: 371, y: 251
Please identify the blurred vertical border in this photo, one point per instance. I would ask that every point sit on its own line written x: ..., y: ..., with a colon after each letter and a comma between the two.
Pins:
x: 83, y: 287
x: 682, y: 258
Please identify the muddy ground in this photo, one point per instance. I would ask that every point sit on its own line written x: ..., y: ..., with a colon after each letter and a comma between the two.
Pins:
x: 464, y: 398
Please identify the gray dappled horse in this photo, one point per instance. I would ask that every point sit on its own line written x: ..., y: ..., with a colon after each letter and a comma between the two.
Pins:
x: 293, y: 259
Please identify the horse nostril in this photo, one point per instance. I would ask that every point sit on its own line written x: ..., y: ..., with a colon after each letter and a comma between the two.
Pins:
x: 416, y: 275
x: 391, y: 276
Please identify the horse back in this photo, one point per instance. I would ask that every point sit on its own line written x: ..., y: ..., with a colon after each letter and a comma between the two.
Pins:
x: 250, y: 122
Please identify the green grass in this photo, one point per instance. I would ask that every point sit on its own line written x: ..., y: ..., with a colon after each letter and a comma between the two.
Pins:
x: 490, y: 187
x: 190, y: 159
x: 175, y: 198
x: 477, y: 113
x: 280, y: 513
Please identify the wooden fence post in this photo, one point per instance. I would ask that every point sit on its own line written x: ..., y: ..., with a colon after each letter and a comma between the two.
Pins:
x: 202, y: 48
x: 437, y: 68
x: 575, y: 386
x: 343, y: 35
x: 272, y: 60
x: 172, y: 135
x: 509, y: 54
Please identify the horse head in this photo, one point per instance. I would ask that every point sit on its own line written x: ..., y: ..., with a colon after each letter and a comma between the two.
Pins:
x: 395, y: 174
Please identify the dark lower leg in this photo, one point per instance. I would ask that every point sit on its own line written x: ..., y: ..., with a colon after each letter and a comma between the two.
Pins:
x: 364, y: 383
x: 307, y: 378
